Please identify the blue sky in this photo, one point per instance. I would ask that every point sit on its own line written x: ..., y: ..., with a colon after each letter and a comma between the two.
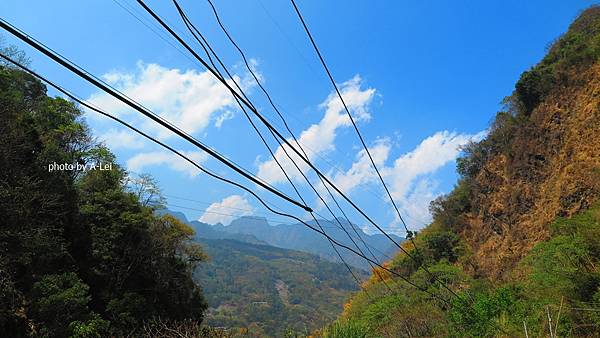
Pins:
x: 422, y: 78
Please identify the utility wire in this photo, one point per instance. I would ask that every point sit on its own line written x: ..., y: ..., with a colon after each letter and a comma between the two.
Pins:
x: 123, y: 98
x: 257, y: 80
x: 206, y: 203
x: 146, y: 112
x: 95, y: 109
x: 72, y: 64
x: 202, y: 43
x: 211, y: 212
x: 274, y: 221
x: 285, y: 35
x: 89, y: 78
x: 131, y: 12
x: 266, y: 123
x: 191, y: 27
x: 261, y: 215
x: 339, y: 94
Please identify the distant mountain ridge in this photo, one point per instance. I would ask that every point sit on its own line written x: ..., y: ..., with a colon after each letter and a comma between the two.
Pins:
x: 257, y: 230
x: 300, y: 237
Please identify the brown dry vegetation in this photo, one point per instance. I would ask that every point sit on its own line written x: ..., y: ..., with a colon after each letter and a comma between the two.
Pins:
x: 555, y: 172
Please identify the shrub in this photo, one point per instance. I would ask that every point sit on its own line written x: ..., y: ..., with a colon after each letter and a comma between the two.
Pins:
x: 95, y: 327
x: 577, y: 48
x: 346, y: 329
x: 447, y: 210
x: 488, y: 314
x: 442, y: 245
x: 532, y: 86
x: 59, y: 300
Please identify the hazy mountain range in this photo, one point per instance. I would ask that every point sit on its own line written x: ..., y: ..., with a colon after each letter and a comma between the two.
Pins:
x: 299, y: 237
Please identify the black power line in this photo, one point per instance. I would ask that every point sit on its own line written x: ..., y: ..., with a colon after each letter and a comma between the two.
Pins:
x: 100, y: 84
x: 146, y: 112
x: 339, y: 94
x: 95, y: 109
x: 2, y: 23
x: 204, y: 44
x: 273, y: 130
x: 260, y: 215
x: 257, y: 80
x: 266, y: 123
x: 191, y: 27
x: 257, y: 215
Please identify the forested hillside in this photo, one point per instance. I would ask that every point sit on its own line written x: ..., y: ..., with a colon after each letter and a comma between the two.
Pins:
x: 263, y: 290
x: 80, y: 254
x: 514, y: 249
x: 271, y: 291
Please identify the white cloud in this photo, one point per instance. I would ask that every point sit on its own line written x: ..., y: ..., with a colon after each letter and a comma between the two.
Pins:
x: 142, y: 160
x: 361, y: 171
x: 410, y: 186
x: 227, y: 210
x: 121, y: 139
x: 319, y: 138
x: 415, y: 205
x: 226, y: 115
x: 189, y: 99
x: 410, y: 177
x: 430, y: 155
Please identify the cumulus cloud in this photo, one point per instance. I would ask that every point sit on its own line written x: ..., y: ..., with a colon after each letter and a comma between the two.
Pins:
x: 410, y: 176
x: 320, y: 137
x: 430, y: 155
x: 361, y: 171
x: 226, y: 115
x: 227, y: 210
x: 415, y: 205
x: 189, y: 99
x: 410, y: 186
x: 156, y: 158
x: 121, y: 139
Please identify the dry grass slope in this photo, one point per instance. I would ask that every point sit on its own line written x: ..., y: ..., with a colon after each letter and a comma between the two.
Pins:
x: 556, y: 172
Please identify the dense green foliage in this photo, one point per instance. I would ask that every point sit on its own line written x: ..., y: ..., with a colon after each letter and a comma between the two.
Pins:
x: 271, y: 291
x: 346, y: 329
x: 80, y: 253
x: 559, y: 277
x: 406, y: 311
x: 560, y: 274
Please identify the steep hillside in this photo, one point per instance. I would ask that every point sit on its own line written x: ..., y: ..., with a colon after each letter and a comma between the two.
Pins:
x: 542, y: 158
x: 270, y: 290
x: 514, y: 249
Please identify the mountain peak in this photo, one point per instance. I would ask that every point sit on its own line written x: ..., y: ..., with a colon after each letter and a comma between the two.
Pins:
x: 249, y: 221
